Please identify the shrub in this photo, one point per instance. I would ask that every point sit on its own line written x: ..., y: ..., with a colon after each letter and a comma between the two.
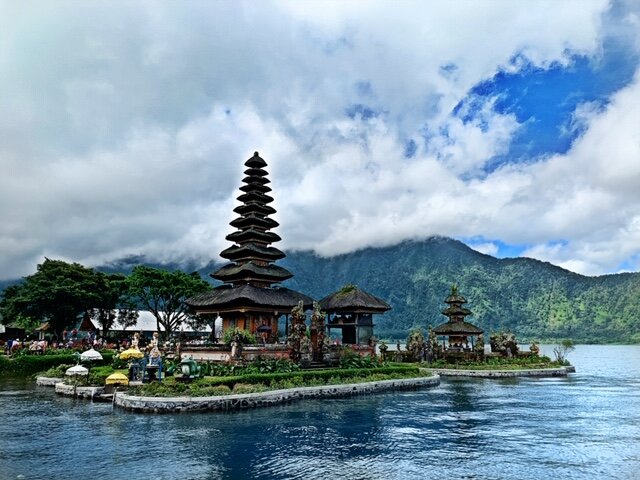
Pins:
x: 350, y: 359
x: 562, y: 350
x: 248, y: 388
x: 211, y: 391
x: 98, y: 375
x: 55, y: 372
x: 245, y: 337
x: 117, y: 363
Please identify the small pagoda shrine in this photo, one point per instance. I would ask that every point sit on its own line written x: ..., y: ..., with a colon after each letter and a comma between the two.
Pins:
x: 460, y: 333
x: 250, y: 297
x: 351, y: 311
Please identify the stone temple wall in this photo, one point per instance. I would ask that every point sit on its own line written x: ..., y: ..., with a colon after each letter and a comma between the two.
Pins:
x: 265, y: 399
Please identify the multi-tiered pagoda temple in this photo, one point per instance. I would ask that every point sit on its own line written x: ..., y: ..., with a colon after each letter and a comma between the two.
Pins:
x: 250, y: 297
x: 457, y: 329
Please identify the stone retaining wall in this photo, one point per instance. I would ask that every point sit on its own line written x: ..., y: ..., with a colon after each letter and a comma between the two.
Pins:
x: 80, y: 392
x: 538, y: 372
x: 48, y: 381
x: 265, y: 399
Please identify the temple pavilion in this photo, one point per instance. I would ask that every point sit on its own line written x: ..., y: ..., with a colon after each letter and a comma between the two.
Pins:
x: 350, y: 310
x: 250, y: 297
x: 459, y: 332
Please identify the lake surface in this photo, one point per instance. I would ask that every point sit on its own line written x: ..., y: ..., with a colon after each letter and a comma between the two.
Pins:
x: 586, y: 426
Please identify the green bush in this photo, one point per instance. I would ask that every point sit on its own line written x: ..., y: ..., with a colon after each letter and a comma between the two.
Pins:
x: 496, y: 363
x: 55, y: 372
x: 212, y: 391
x: 98, y: 375
x: 248, y: 388
x: 259, y: 382
x: 246, y: 338
x: 351, y: 359
x: 29, y: 364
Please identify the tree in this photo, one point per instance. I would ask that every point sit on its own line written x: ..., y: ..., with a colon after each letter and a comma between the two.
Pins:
x: 57, y: 293
x: 562, y: 350
x: 164, y: 292
x: 114, y: 302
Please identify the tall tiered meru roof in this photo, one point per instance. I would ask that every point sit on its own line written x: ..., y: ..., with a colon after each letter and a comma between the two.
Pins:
x: 250, y: 276
x: 457, y: 314
x: 252, y: 255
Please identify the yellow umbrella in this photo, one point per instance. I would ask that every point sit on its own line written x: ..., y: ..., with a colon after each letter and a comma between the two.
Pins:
x: 117, y: 379
x: 131, y: 353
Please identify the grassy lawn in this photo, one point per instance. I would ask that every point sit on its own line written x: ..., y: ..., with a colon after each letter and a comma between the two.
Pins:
x: 255, y: 383
x: 498, y: 363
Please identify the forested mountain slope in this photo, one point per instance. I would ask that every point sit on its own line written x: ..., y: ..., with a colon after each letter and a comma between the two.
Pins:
x: 535, y: 299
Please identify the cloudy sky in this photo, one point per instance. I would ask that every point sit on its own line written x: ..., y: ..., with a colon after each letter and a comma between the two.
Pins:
x: 512, y: 126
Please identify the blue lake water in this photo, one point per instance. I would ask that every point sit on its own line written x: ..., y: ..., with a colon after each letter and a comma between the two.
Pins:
x: 586, y: 426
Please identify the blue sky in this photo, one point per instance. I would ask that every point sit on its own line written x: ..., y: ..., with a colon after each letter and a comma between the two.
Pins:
x: 124, y: 126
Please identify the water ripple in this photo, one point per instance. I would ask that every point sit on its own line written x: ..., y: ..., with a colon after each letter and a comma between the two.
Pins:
x: 582, y: 427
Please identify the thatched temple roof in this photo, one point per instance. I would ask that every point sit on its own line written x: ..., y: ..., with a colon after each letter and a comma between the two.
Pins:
x: 250, y: 276
x: 457, y: 328
x: 351, y: 299
x: 227, y: 297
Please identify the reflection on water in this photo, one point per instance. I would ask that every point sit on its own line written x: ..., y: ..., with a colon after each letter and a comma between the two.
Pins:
x: 581, y: 427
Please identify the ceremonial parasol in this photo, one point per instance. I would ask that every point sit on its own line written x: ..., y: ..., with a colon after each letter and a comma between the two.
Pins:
x: 117, y: 379
x: 90, y: 355
x: 131, y: 353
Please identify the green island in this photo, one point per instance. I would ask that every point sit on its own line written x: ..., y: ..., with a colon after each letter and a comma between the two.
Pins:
x: 157, y: 333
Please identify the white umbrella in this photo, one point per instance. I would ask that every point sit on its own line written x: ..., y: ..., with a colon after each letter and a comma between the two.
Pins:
x: 90, y: 355
x: 77, y: 370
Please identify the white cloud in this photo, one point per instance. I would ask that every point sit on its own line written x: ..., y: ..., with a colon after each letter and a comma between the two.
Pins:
x: 488, y: 248
x: 124, y: 128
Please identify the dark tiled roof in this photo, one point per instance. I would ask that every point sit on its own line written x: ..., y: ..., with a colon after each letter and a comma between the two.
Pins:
x: 254, y: 221
x: 254, y: 179
x: 250, y: 271
x: 252, y: 235
x: 226, y: 296
x: 250, y: 208
x: 352, y: 299
x: 457, y: 328
x: 255, y: 187
x: 455, y: 299
x: 255, y: 197
x: 255, y: 161
x: 256, y: 172
x: 455, y: 310
x: 251, y: 251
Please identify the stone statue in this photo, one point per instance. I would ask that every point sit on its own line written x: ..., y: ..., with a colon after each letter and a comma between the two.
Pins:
x: 317, y: 332
x: 504, y: 343
x: 383, y: 350
x: 135, y: 341
x: 305, y: 350
x: 479, y: 346
x: 534, y: 349
x: 434, y: 346
x: 236, y: 347
x: 414, y: 345
x: 297, y: 331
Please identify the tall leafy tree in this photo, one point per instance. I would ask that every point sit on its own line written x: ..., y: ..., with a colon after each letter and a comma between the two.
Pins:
x: 164, y: 292
x: 114, y: 302
x: 57, y: 293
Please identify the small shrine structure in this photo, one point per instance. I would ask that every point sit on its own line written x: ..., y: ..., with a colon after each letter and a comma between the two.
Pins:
x: 250, y: 297
x: 460, y: 333
x: 351, y: 311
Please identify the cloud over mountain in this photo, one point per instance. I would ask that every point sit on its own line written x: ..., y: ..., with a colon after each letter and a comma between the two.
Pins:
x: 124, y: 127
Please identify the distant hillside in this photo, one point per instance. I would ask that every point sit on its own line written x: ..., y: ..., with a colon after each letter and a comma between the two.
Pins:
x: 534, y: 299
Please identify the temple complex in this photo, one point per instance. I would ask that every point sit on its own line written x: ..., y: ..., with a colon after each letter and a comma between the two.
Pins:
x: 250, y: 297
x: 350, y: 310
x: 459, y: 332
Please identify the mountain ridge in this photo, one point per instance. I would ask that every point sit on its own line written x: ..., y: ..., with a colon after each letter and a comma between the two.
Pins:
x: 537, y: 300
